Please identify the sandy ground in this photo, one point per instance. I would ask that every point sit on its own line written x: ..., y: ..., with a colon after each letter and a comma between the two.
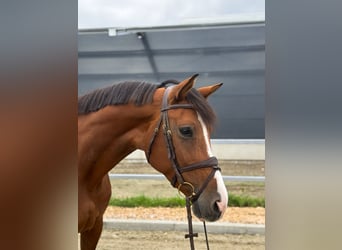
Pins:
x: 113, y: 239
x: 233, y: 214
x: 127, y: 240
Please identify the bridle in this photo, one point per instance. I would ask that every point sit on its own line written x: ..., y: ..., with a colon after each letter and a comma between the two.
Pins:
x: 178, y: 177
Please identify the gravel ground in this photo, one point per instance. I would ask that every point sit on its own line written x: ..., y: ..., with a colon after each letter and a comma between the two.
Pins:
x: 233, y: 214
x: 113, y: 239
x: 127, y: 240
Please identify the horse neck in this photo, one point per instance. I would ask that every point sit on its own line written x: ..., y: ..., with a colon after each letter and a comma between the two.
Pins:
x: 109, y: 135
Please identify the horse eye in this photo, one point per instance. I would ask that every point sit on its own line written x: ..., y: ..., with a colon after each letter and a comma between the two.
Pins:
x: 186, y: 131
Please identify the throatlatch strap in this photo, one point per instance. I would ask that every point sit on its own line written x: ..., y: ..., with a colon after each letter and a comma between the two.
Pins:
x: 155, y: 132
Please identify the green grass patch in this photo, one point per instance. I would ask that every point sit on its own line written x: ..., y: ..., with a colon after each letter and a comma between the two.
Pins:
x: 143, y: 201
x: 245, y: 201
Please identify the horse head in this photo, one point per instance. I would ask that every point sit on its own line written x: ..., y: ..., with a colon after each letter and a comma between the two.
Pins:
x: 179, y: 146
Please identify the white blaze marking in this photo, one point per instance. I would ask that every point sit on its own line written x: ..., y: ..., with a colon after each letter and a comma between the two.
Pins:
x: 221, y: 188
x: 205, y: 134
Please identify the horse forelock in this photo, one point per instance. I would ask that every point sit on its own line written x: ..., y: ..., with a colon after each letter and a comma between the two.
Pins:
x: 202, y: 106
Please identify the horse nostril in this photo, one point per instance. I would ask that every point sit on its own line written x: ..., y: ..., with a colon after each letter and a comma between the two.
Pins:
x: 216, y: 207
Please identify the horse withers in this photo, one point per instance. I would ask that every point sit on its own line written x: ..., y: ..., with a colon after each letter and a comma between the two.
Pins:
x: 171, y: 124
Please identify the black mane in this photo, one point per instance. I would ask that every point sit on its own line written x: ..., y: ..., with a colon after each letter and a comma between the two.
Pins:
x: 139, y: 93
x: 136, y: 92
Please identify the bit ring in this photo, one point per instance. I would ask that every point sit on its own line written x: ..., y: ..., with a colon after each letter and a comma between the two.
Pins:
x: 186, y: 184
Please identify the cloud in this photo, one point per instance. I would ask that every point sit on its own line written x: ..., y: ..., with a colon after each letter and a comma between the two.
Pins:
x: 133, y: 13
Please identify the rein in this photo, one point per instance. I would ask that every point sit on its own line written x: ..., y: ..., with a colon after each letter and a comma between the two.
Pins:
x: 178, y: 177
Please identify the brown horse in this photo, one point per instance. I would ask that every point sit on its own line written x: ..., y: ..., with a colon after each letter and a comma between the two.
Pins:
x: 172, y: 125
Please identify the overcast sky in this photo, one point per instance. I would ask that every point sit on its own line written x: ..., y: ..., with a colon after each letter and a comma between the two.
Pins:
x: 135, y: 13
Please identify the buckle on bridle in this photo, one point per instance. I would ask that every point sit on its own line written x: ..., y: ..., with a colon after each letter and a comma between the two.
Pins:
x: 191, y: 187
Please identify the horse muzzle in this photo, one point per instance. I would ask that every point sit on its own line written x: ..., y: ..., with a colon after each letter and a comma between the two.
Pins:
x: 209, y: 207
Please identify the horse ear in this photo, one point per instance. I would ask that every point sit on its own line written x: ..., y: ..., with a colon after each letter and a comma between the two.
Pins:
x: 208, y: 90
x: 180, y: 91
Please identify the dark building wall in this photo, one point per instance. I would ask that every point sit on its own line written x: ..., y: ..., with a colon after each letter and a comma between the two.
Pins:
x: 232, y: 54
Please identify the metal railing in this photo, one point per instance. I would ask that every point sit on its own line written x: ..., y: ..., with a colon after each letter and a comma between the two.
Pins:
x: 162, y: 177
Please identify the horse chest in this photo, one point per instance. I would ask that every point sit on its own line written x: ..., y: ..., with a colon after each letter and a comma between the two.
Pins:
x: 93, y: 203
